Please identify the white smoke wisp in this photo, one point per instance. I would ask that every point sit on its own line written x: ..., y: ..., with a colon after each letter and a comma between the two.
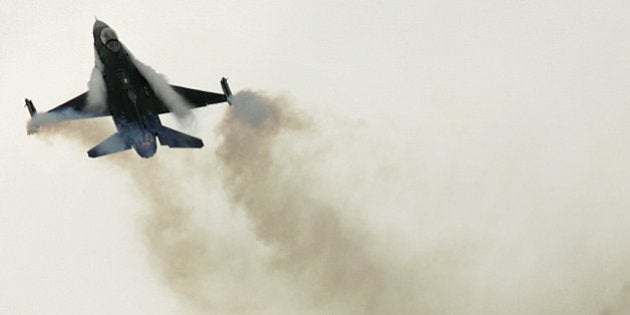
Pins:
x: 34, y: 124
x: 53, y: 120
x: 70, y: 122
x: 97, y: 91
x: 97, y: 61
x: 96, y: 102
x: 175, y: 102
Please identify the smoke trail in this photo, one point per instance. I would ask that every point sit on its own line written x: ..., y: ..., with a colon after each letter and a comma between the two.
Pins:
x: 307, y: 246
x: 291, y: 248
x: 332, y: 259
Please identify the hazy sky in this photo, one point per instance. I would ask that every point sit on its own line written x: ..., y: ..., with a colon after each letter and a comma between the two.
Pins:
x: 482, y: 146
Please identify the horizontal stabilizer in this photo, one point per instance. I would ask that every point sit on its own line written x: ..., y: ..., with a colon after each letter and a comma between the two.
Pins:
x: 113, y: 144
x: 176, y: 139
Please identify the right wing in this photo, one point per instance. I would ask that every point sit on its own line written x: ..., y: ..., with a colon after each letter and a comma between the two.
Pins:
x: 196, y: 98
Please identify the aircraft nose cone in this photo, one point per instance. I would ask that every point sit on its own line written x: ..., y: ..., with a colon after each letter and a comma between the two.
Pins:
x: 99, y: 24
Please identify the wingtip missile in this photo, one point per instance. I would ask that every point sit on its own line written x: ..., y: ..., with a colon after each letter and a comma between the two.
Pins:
x: 32, y: 126
x: 226, y: 90
x: 31, y: 108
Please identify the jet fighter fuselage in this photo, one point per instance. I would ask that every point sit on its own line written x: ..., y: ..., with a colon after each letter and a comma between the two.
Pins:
x: 128, y: 92
x: 131, y: 100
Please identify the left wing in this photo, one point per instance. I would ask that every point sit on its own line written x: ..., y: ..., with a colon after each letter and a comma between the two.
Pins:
x: 75, y: 108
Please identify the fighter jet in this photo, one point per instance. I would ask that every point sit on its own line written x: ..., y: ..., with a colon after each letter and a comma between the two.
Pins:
x: 131, y: 100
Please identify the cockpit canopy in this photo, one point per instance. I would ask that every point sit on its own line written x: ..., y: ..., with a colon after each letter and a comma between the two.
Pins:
x: 110, y: 39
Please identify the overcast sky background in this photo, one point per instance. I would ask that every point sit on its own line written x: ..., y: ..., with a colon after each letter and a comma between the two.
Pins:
x: 490, y: 136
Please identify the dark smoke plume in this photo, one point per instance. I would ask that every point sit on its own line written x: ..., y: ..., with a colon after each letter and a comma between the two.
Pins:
x: 251, y: 228
x: 301, y: 254
x: 330, y: 258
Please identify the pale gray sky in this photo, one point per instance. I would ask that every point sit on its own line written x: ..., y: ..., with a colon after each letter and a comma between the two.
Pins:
x: 490, y: 136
